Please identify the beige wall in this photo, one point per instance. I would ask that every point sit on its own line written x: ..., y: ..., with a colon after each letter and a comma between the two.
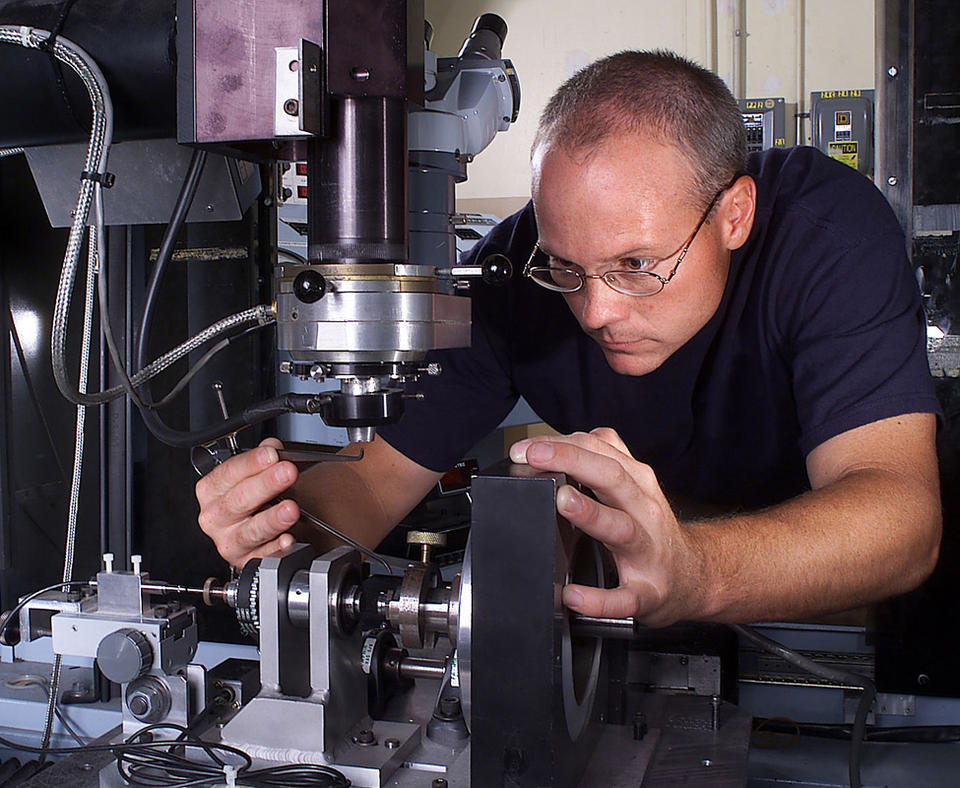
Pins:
x: 550, y: 39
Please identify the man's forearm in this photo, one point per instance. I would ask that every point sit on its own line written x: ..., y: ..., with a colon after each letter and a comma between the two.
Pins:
x: 868, y: 535
x: 364, y: 499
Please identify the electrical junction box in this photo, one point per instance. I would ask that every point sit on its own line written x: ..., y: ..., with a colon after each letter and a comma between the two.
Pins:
x: 841, y: 124
x: 766, y: 123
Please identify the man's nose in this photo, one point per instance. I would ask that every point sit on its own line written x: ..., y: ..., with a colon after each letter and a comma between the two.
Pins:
x: 601, y: 305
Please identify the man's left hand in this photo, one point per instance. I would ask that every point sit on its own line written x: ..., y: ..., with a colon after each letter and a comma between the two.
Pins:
x: 660, y: 568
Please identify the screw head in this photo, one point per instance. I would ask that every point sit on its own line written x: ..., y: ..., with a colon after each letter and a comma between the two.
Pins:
x: 291, y: 107
x: 893, y: 71
x: 360, y: 74
x: 892, y: 180
x: 391, y: 743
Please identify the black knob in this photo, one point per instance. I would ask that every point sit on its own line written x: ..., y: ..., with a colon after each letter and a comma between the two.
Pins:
x: 124, y: 654
x: 496, y: 269
x: 309, y: 286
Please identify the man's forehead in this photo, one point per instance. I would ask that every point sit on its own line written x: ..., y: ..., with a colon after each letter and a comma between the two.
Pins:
x: 642, y: 177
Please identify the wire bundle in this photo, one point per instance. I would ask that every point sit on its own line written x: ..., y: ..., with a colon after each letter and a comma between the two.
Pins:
x: 142, y: 761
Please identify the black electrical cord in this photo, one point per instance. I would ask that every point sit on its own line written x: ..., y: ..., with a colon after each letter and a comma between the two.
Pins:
x: 142, y: 760
x: 867, y: 697
x: 181, y: 384
x: 268, y: 409
x: 12, y: 615
x: 153, y: 422
x: 46, y: 46
x: 181, y: 207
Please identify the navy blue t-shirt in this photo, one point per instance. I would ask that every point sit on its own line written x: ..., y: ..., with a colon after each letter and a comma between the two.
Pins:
x: 820, y: 330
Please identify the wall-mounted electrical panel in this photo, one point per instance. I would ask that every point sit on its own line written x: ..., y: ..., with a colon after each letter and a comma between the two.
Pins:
x: 766, y: 122
x: 841, y: 124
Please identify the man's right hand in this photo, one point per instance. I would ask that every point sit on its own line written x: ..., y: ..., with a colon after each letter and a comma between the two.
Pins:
x: 231, y: 498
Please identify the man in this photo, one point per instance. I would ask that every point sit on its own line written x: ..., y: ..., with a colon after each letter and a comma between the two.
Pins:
x: 738, y: 334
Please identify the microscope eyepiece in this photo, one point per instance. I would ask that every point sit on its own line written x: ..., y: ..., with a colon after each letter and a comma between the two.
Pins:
x: 486, y: 38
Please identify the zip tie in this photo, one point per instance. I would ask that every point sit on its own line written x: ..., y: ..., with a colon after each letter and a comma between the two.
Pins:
x: 105, y: 179
x: 230, y: 775
x: 25, y: 32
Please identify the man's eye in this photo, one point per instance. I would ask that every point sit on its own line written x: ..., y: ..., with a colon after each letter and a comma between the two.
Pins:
x: 638, y: 263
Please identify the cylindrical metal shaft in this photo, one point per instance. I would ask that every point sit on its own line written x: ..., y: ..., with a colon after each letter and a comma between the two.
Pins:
x: 597, y: 627
x: 422, y: 668
x: 357, y: 182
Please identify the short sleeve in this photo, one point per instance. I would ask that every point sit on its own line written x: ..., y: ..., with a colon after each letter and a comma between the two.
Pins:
x: 857, y: 339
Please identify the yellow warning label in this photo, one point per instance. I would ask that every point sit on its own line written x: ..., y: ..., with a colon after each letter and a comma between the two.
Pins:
x: 843, y: 151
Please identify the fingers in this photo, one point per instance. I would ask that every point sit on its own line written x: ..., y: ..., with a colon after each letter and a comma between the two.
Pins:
x: 246, y: 482
x: 260, y: 534
x: 619, y: 602
x: 615, y: 528
x: 232, y: 498
x: 615, y: 478
x: 602, y: 440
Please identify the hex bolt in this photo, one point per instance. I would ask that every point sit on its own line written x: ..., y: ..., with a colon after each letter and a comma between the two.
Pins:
x: 139, y: 705
x: 291, y: 107
x: 391, y: 743
x: 108, y: 562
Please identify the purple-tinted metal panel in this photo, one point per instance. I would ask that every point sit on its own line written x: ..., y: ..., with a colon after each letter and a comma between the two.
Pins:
x: 369, y: 43
x: 235, y: 63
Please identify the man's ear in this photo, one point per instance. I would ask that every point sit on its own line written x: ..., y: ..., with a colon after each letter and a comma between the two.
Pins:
x: 736, y: 211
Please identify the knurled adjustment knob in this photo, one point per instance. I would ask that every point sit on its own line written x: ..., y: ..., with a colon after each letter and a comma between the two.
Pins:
x: 427, y: 540
x: 124, y: 655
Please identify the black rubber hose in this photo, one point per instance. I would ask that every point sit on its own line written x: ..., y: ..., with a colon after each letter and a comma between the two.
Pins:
x: 268, y: 409
x: 180, y: 209
x: 832, y: 674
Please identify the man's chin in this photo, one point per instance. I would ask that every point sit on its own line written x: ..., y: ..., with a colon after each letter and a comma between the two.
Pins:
x: 636, y: 360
